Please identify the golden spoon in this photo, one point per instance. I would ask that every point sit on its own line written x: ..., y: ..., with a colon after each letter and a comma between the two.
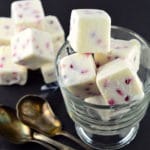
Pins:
x: 36, y: 112
x: 16, y: 132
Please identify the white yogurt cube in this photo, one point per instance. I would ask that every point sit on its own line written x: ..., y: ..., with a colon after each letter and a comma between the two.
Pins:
x: 90, y: 31
x: 6, y: 30
x: 98, y: 100
x: 48, y: 73
x: 119, y: 83
x: 129, y: 50
x: 26, y: 14
x: 10, y: 73
x: 105, y: 114
x: 78, y: 74
x: 53, y: 26
x: 32, y: 48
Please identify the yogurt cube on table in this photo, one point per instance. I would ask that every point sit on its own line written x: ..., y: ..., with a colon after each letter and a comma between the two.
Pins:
x: 26, y: 14
x: 90, y: 31
x: 54, y: 28
x: 129, y: 50
x: 6, y: 30
x: 105, y: 113
x: 10, y: 73
x: 119, y: 83
x: 48, y: 73
x: 32, y: 48
x: 78, y: 73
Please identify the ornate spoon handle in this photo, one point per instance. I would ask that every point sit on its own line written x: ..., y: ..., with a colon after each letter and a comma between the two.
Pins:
x: 71, y: 137
x: 48, y: 146
x: 45, y: 139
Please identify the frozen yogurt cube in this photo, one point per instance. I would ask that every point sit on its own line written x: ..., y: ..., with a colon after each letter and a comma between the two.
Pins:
x: 6, y: 30
x: 53, y: 26
x: 129, y: 50
x: 10, y: 73
x: 48, y: 73
x: 78, y: 74
x: 106, y: 113
x: 32, y: 48
x: 98, y: 100
x: 119, y: 83
x: 90, y: 31
x: 27, y: 14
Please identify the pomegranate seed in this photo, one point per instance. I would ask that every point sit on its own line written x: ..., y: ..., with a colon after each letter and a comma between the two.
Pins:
x: 99, y: 41
x: 87, y: 89
x: 88, y: 54
x: 98, y: 65
x: 119, y: 92
x: 84, y: 71
x: 127, y: 98
x: 90, y: 83
x: 71, y: 66
x: 128, y: 81
x: 111, y: 102
x: 116, y: 57
x: 109, y: 58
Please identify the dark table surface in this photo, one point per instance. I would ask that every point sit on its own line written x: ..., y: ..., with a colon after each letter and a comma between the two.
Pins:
x: 132, y: 14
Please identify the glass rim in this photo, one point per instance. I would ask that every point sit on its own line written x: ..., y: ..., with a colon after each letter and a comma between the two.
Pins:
x: 79, y: 100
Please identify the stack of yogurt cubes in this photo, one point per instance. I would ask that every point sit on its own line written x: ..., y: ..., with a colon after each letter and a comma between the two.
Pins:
x: 103, y: 70
x: 28, y: 40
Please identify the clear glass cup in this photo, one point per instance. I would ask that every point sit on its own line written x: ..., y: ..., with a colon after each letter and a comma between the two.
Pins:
x: 122, y: 128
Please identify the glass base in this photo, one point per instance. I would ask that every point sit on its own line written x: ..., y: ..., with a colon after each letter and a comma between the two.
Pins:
x: 109, y: 142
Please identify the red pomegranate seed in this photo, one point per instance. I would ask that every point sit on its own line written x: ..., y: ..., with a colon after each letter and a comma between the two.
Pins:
x: 109, y: 58
x: 71, y: 66
x: 91, y: 84
x: 14, y: 73
x: 88, y: 54
x: 87, y: 89
x: 97, y: 65
x: 116, y: 57
x: 111, y: 102
x: 99, y: 41
x: 20, y: 15
x: 128, y: 81
x: 84, y: 71
x: 127, y: 98
x: 119, y: 92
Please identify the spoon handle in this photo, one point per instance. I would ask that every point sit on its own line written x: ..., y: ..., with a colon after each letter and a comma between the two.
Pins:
x: 43, y: 138
x: 48, y: 146
x: 73, y: 138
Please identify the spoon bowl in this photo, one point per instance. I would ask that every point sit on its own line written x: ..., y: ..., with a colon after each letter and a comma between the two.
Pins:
x: 11, y: 128
x: 37, y: 113
x: 17, y: 132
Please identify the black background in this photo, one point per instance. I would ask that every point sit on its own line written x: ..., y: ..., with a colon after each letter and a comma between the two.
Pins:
x: 133, y: 14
